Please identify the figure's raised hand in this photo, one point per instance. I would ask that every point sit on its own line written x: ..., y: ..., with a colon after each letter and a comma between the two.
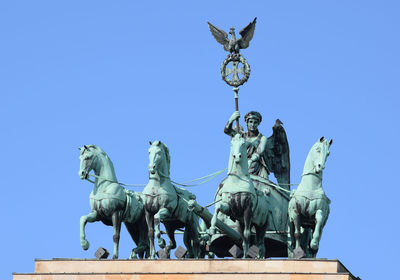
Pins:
x: 235, y: 116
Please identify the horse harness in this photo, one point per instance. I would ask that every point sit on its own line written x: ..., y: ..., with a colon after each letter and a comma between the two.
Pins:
x: 177, y: 199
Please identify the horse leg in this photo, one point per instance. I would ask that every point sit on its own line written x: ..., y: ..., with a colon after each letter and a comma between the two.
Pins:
x: 291, y: 238
x: 116, y: 220
x: 247, y: 215
x: 294, y: 216
x: 150, y: 227
x: 158, y: 218
x: 171, y: 235
x: 133, y: 233
x: 188, y: 243
x: 143, y: 245
x: 320, y: 221
x: 306, y: 237
x: 219, y: 207
x: 195, y: 241
x: 298, y: 251
x: 91, y: 217
x: 214, y: 219
x: 193, y: 236
x: 260, y: 233
x: 136, y: 232
x: 144, y: 240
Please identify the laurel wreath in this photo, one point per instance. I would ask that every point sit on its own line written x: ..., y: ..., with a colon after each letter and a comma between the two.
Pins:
x: 246, y: 69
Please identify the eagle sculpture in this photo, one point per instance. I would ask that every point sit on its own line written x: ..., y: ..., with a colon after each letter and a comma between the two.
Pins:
x: 233, y: 45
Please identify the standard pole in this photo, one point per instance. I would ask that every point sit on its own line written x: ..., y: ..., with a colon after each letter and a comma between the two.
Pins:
x: 236, y: 91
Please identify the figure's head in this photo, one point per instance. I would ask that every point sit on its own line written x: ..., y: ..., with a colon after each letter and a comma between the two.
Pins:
x: 232, y: 31
x: 252, y: 120
x: 87, y: 157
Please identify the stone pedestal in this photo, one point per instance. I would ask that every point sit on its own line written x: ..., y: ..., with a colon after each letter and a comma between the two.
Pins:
x: 219, y: 269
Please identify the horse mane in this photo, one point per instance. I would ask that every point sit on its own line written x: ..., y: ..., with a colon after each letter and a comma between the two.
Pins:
x: 98, y: 149
x: 168, y: 157
x: 308, y: 158
x: 102, y: 153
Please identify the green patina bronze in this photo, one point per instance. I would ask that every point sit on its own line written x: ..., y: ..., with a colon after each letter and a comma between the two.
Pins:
x: 111, y: 203
x: 244, y: 200
x: 262, y: 156
x: 265, y: 156
x: 167, y: 204
x: 239, y: 72
x: 309, y: 206
x: 240, y: 200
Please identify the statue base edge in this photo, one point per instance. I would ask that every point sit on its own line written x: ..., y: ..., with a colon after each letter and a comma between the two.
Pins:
x: 216, y: 269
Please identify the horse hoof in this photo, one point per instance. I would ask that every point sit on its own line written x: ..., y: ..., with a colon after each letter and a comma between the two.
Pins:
x: 161, y: 243
x: 85, y: 244
x: 314, y: 245
x: 133, y: 256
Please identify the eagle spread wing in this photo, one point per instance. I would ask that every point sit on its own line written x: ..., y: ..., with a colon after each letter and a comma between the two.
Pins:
x: 219, y: 35
x: 276, y: 155
x: 247, y: 34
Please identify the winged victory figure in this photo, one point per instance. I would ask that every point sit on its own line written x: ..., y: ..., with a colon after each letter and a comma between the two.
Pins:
x: 265, y: 155
x: 233, y: 45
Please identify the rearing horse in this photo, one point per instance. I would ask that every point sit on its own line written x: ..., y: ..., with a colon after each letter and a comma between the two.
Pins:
x: 165, y: 203
x: 111, y: 203
x: 309, y: 206
x: 240, y: 200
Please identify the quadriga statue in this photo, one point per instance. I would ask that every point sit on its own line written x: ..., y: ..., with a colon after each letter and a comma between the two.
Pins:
x: 309, y: 206
x: 111, y: 203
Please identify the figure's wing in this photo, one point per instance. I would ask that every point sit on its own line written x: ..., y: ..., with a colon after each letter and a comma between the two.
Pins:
x: 247, y: 34
x: 277, y: 155
x: 219, y: 35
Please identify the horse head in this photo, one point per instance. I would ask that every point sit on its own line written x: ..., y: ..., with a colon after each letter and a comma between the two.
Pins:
x: 238, y: 155
x: 159, y: 159
x: 320, y: 152
x: 88, y: 155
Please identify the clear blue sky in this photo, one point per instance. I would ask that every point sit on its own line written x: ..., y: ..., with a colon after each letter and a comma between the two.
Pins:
x: 121, y: 73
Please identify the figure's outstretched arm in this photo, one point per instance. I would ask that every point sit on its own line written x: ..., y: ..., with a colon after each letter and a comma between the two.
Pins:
x: 228, y: 127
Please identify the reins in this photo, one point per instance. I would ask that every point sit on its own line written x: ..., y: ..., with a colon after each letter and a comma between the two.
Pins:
x: 207, y: 179
x: 184, y: 184
x: 113, y: 181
